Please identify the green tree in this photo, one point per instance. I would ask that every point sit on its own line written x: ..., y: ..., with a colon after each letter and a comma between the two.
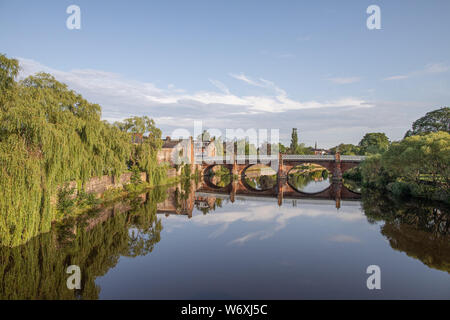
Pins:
x: 418, y: 159
x: 294, y: 141
x: 373, y: 143
x: 346, y: 149
x: 50, y: 135
x: 417, y: 165
x: 282, y: 148
x: 144, y: 155
x: 9, y: 69
x: 437, y: 120
x: 204, y: 136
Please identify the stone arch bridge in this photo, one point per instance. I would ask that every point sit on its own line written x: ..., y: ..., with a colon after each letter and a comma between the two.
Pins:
x: 282, y: 165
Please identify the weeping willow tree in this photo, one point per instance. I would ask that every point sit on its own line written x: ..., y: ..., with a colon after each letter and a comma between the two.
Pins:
x: 50, y: 135
x: 147, y: 141
x: 37, y: 269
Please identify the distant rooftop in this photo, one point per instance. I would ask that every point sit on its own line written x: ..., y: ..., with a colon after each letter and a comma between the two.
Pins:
x: 168, y: 143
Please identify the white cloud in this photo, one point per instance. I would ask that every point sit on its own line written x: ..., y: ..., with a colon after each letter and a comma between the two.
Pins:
x: 328, y: 121
x: 436, y: 68
x: 111, y: 89
x: 431, y: 68
x: 344, y: 238
x: 400, y: 77
x: 346, y: 80
x: 246, y: 79
x: 245, y: 238
x: 219, y: 85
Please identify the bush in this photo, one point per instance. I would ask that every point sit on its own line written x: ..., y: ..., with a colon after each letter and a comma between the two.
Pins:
x: 399, y: 189
x: 353, y: 174
x: 373, y: 173
x: 66, y: 200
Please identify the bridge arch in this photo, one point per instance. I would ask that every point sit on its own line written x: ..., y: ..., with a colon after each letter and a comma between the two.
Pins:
x: 207, y: 175
x: 244, y: 177
x: 311, y: 178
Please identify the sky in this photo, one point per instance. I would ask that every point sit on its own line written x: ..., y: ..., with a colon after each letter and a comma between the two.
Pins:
x: 312, y: 65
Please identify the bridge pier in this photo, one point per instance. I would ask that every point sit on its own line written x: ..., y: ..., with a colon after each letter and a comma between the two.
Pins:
x: 234, y: 170
x: 233, y: 190
x: 337, y: 172
x: 280, y: 193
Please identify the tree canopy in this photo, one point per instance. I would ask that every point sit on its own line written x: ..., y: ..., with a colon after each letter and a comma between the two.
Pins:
x: 346, y: 149
x: 433, y: 121
x: 417, y: 165
x: 372, y: 143
x: 294, y: 140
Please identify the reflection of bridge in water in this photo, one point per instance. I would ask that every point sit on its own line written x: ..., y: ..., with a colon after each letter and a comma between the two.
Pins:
x: 238, y: 189
x: 203, y: 196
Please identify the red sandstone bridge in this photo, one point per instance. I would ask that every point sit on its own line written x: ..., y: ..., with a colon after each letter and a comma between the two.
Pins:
x: 282, y: 164
x: 335, y: 164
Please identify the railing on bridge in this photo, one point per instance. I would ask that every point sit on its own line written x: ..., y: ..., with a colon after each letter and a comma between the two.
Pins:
x: 353, y: 158
x: 307, y: 157
x: 239, y: 159
x: 268, y: 158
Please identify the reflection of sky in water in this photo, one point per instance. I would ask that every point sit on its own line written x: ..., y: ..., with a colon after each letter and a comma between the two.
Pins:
x: 315, y: 186
x: 254, y: 249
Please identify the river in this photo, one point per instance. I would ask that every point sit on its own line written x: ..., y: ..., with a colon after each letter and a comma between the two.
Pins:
x: 181, y: 242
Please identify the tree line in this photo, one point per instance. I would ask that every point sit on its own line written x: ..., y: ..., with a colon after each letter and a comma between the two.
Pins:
x: 417, y: 165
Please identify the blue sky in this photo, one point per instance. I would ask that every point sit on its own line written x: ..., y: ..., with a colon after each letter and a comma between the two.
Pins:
x: 313, y: 65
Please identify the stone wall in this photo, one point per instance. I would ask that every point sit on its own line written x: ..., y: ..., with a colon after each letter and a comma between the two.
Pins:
x: 99, y: 185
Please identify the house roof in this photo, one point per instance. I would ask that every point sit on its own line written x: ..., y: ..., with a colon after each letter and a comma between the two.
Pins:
x: 169, y: 143
x: 203, y: 143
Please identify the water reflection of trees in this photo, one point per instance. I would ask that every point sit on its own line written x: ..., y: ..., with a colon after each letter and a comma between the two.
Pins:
x: 262, y: 182
x: 302, y: 175
x: 421, y: 229
x: 219, y: 176
x: 208, y: 205
x: 352, y: 185
x: 94, y: 242
x: 260, y: 177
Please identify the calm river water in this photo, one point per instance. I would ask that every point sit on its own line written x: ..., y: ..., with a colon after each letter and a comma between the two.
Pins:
x: 184, y: 243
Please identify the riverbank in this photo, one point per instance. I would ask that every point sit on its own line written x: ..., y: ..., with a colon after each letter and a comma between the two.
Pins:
x: 99, y: 192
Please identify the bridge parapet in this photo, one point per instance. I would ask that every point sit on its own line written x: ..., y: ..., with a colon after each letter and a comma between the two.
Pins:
x: 307, y: 157
x: 214, y: 160
x: 256, y: 158
x: 240, y: 159
x: 353, y: 158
